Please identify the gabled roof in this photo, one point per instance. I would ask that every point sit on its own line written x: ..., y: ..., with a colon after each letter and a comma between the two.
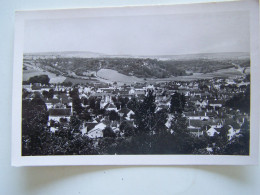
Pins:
x: 60, y: 112
x: 124, y: 110
x: 91, y: 125
x: 212, y: 131
x: 110, y: 106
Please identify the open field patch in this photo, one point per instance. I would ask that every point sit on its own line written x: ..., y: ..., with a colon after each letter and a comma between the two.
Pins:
x: 32, y: 72
x: 115, y: 76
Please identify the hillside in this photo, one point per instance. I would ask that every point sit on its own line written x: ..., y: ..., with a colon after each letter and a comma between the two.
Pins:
x: 138, y: 67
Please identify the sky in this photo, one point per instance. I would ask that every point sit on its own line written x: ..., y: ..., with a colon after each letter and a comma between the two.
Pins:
x: 141, y: 35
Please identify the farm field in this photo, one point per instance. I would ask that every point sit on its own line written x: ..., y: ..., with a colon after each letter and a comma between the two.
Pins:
x: 79, y: 81
x: 228, y: 73
x: 114, y: 76
x: 33, y: 72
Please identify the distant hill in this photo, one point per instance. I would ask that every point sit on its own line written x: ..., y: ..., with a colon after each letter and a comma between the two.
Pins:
x: 220, y: 56
x: 87, y: 54
x: 76, y: 64
x: 67, y: 54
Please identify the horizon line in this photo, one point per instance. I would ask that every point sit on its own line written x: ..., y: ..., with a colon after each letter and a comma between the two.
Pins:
x: 93, y: 52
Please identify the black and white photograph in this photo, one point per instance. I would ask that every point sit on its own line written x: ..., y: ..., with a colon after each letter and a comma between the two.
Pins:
x: 153, y: 81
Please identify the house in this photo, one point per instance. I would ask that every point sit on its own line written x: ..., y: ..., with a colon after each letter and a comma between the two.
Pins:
x: 88, y: 126
x: 195, y: 131
x: 197, y: 115
x: 53, y: 129
x: 211, y: 132
x: 28, y: 87
x: 97, y: 131
x: 216, y: 104
x: 202, y: 104
x: 51, y: 102
x: 111, y: 107
x: 63, y: 97
x: 232, y: 132
x: 57, y: 113
x: 126, y: 113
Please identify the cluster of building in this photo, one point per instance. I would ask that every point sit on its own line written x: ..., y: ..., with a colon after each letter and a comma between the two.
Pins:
x: 205, y: 108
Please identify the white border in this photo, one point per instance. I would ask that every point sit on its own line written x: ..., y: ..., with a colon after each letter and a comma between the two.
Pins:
x: 22, y: 16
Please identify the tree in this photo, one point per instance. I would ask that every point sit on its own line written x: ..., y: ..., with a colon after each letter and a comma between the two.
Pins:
x: 179, y: 125
x: 240, y: 144
x: 43, y: 79
x: 67, y: 84
x: 76, y: 102
x: 241, y: 101
x: 127, y: 128
x: 85, y: 101
x: 247, y: 78
x: 34, y: 125
x: 160, y: 119
x: 178, y: 102
x: 92, y: 103
x: 108, y: 132
x: 85, y: 115
x: 184, y: 141
x: 51, y: 94
x: 34, y: 112
x: 123, y: 101
x: 25, y: 93
x: 74, y: 123
x: 45, y: 94
x: 145, y: 114
x: 113, y: 115
x: 132, y: 104
x: 223, y: 134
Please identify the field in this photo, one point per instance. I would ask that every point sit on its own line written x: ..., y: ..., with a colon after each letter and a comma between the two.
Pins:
x: 79, y: 81
x: 114, y: 76
x: 227, y: 73
x: 34, y: 72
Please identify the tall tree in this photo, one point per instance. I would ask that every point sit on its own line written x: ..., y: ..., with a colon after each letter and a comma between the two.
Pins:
x: 132, y: 104
x: 34, y: 124
x: 241, y: 101
x: 76, y: 102
x: 145, y: 113
x: 178, y: 102
x: 113, y: 115
x: 240, y: 145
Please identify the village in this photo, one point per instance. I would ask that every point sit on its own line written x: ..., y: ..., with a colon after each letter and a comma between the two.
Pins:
x: 97, y: 106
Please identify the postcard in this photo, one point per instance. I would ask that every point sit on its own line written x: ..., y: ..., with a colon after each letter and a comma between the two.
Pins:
x: 144, y: 85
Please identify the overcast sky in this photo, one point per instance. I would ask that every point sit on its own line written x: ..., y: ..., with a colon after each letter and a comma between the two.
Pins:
x: 142, y: 35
